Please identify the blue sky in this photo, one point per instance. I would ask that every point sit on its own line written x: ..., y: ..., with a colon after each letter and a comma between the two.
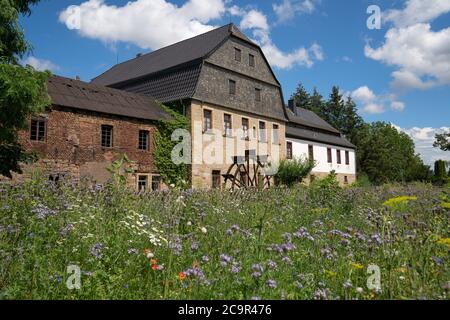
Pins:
x: 399, y: 73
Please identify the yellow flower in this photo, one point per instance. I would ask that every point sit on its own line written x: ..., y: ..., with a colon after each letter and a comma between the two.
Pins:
x: 444, y: 241
x: 445, y: 205
x: 330, y: 273
x: 402, y: 269
x: 357, y: 266
x: 398, y: 200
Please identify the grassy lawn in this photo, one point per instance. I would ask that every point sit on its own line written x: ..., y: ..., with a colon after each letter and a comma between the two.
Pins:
x: 299, y: 243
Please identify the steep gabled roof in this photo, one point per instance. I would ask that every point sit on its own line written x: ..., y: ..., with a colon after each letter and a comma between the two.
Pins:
x: 175, y: 55
x: 80, y: 95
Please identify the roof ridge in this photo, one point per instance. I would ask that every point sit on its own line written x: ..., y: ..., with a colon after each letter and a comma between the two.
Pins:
x: 166, y: 47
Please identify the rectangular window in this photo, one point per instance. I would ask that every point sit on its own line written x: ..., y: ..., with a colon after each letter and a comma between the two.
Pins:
x: 251, y: 60
x: 311, y: 152
x: 347, y: 157
x: 245, y: 128
x: 142, y: 183
x: 216, y: 179
x: 144, y: 140
x: 156, y: 183
x: 37, y: 129
x: 338, y: 156
x: 275, y: 134
x: 257, y: 94
x: 107, y: 136
x: 289, y: 150
x: 329, y: 155
x: 262, y: 131
x: 232, y: 86
x: 237, y: 54
x: 207, y: 120
x: 227, y: 125
x: 345, y: 180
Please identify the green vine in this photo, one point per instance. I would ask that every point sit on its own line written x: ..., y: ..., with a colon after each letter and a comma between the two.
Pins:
x: 171, y: 174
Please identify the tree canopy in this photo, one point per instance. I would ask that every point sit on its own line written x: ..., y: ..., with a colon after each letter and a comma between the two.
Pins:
x: 443, y: 141
x: 23, y: 90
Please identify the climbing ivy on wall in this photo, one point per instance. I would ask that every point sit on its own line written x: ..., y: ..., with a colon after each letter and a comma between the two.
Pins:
x: 171, y: 173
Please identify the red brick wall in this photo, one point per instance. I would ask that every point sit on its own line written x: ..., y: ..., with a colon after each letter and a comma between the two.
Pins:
x: 73, y: 144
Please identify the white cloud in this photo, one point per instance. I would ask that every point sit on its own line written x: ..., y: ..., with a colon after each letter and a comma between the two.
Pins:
x: 150, y: 24
x: 254, y: 19
x: 375, y: 104
x: 424, y: 139
x: 289, y: 8
x: 397, y: 105
x: 257, y: 22
x: 40, y: 64
x: 420, y: 55
x: 417, y: 11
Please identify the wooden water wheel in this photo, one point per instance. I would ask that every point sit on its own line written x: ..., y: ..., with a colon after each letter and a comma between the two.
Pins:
x: 248, y: 171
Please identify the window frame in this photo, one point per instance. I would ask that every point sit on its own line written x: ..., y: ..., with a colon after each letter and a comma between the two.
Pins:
x: 209, y: 122
x: 227, y: 125
x: 156, y: 179
x: 41, y: 123
x: 232, y: 87
x: 311, y: 152
x: 216, y: 174
x: 329, y: 155
x: 262, y: 132
x: 258, y: 94
x: 347, y: 157
x: 147, y: 140
x: 245, y: 132
x: 111, y: 138
x: 237, y: 54
x: 338, y: 156
x: 289, y: 150
x: 139, y: 176
x: 251, y: 58
x: 275, y: 134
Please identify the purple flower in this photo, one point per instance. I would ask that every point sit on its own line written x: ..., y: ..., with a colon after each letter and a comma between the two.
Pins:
x: 322, y: 294
x: 194, y: 246
x: 286, y: 260
x: 225, y: 260
x: 67, y: 229
x: 302, y: 233
x: 257, y: 267
x: 43, y: 212
x: 235, y: 268
x: 176, y: 246
x: 271, y: 264
x: 256, y: 274
x: 96, y: 250
x: 205, y: 259
x: 271, y: 284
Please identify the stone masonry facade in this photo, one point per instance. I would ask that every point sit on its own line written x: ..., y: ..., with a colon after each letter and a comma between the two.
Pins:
x: 72, y: 146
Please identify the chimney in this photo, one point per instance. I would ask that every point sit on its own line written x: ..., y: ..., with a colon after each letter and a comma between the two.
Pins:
x: 77, y: 78
x: 139, y: 55
x: 291, y: 105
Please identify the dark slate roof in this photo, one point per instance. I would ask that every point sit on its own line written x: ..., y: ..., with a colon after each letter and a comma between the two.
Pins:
x: 77, y: 94
x: 305, y: 124
x: 168, y: 86
x: 177, y: 54
x: 308, y: 118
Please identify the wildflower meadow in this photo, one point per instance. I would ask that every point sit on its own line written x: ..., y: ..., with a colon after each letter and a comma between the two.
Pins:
x: 317, y: 242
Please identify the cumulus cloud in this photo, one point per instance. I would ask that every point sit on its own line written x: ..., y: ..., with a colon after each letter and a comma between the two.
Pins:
x: 417, y: 11
x: 420, y: 55
x: 150, y: 24
x: 424, y: 139
x: 256, y: 21
x: 287, y: 9
x: 40, y: 64
x: 373, y: 103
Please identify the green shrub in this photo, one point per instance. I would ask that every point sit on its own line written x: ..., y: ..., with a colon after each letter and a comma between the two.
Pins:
x: 293, y: 171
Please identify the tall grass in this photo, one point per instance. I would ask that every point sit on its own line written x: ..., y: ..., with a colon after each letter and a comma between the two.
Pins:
x: 298, y: 243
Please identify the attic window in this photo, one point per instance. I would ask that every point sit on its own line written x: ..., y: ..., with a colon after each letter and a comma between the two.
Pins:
x: 251, y: 60
x: 237, y: 54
